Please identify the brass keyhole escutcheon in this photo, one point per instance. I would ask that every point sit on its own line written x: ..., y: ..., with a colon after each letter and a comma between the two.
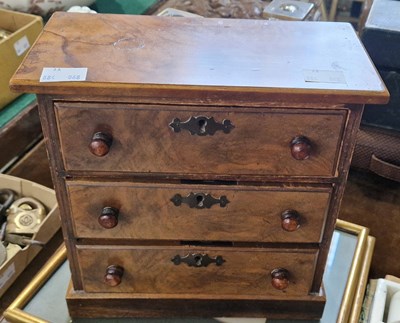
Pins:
x: 200, y: 201
x: 198, y: 259
x: 202, y: 126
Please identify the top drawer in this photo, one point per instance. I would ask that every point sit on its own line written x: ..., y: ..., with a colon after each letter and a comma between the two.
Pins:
x: 198, y: 141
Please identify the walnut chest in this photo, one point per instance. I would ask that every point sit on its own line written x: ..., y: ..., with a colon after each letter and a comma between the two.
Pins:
x: 200, y: 164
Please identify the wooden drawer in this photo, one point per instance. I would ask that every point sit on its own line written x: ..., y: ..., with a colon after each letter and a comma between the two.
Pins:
x: 144, y: 140
x: 153, y: 270
x: 197, y: 212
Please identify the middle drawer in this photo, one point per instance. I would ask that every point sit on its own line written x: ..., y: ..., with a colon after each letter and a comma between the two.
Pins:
x: 126, y: 210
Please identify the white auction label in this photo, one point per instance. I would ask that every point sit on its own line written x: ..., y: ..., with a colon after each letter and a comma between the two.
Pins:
x: 21, y: 45
x: 63, y: 74
x: 324, y: 76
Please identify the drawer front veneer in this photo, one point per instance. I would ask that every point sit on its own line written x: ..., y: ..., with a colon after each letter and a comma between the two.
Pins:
x: 217, y: 271
x: 197, y: 212
x: 205, y: 141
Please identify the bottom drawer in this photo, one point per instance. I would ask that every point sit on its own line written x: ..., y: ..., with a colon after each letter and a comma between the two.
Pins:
x: 199, y: 270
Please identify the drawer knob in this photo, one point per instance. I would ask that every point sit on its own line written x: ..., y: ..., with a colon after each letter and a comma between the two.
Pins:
x: 280, y: 278
x: 113, y: 276
x: 100, y: 144
x: 290, y: 220
x: 300, y: 147
x: 108, y: 218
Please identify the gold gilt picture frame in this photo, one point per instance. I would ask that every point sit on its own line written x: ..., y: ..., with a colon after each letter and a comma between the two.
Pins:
x: 15, y: 313
x: 349, y: 310
x: 357, y: 280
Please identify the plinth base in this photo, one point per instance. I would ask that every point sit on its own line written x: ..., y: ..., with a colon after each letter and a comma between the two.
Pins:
x: 112, y: 305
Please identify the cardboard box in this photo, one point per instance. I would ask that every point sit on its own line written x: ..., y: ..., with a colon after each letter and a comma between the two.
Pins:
x: 25, y: 29
x: 15, y: 264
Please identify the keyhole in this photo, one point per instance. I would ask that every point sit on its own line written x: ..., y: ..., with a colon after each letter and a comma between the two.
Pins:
x: 198, y: 260
x: 202, y: 125
x: 200, y: 200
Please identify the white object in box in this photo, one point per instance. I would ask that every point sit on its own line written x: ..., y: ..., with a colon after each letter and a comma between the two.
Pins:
x: 24, y: 30
x: 383, y: 309
x: 42, y: 7
x: 14, y: 265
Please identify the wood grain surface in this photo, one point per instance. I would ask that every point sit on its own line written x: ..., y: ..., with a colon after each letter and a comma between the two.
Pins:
x: 111, y: 143
x: 150, y: 270
x: 291, y: 59
x: 146, y: 211
x: 144, y: 142
x: 113, y: 305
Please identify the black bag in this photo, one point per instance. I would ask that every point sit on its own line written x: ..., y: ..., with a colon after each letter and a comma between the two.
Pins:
x: 378, y: 150
x: 386, y: 116
x: 378, y: 141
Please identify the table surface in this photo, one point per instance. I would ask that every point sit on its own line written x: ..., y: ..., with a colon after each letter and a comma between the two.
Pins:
x: 49, y: 303
x: 318, y: 60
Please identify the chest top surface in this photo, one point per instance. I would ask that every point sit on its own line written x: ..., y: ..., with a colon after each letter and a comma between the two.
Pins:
x: 144, y: 52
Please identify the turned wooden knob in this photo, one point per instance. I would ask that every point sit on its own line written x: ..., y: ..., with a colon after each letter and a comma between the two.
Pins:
x: 290, y: 220
x: 280, y: 278
x: 113, y: 276
x: 300, y: 147
x: 100, y: 144
x: 108, y: 218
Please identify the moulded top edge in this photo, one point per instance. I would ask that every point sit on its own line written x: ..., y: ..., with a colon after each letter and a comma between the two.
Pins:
x: 146, y: 53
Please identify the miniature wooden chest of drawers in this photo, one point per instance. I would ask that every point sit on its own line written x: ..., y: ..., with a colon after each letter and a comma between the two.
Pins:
x: 200, y: 166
